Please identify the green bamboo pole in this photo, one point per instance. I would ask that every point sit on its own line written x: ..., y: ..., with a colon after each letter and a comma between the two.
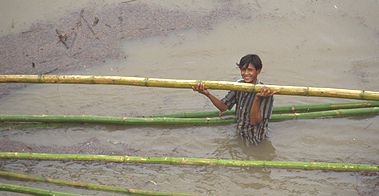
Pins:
x: 300, y: 108
x: 180, y: 121
x: 115, y: 120
x: 31, y: 190
x: 172, y: 83
x: 347, y: 167
x: 202, y: 114
x: 18, y: 176
x: 326, y: 114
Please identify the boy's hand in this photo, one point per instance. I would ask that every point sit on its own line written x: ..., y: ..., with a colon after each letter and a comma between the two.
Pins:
x: 265, y: 92
x: 201, y: 89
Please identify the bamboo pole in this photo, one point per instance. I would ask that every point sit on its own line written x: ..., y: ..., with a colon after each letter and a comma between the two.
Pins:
x: 180, y: 121
x: 300, y: 108
x: 18, y: 176
x: 303, y: 108
x: 326, y: 114
x: 31, y: 190
x: 172, y: 83
x: 346, y: 167
x: 115, y: 120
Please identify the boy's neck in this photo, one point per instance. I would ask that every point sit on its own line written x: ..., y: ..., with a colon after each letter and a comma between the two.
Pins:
x: 253, y: 82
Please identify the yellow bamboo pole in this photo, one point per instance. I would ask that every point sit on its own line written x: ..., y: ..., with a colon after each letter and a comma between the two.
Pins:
x: 173, y: 83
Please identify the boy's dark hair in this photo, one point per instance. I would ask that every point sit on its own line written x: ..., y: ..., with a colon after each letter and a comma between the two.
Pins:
x: 250, y: 59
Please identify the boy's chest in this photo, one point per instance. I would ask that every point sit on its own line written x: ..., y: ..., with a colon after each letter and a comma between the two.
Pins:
x: 244, y: 101
x: 244, y: 97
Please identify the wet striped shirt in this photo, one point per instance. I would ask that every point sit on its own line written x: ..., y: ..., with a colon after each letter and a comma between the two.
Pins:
x: 243, y: 101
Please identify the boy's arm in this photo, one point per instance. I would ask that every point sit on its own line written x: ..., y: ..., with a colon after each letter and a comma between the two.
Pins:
x: 255, y: 111
x: 216, y: 102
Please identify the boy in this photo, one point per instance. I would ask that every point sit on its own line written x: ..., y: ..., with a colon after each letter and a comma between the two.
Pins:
x: 253, y: 109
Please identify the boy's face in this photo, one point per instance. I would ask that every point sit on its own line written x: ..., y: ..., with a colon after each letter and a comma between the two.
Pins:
x: 249, y: 74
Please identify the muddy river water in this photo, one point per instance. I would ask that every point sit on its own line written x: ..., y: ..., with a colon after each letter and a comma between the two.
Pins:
x: 305, y: 43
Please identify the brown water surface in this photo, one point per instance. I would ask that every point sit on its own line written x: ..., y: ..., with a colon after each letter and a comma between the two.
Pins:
x: 305, y: 43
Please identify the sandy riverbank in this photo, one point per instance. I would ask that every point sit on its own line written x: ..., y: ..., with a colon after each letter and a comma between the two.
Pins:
x: 91, y: 34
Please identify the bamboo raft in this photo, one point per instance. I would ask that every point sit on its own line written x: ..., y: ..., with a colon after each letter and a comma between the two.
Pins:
x: 173, y: 83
